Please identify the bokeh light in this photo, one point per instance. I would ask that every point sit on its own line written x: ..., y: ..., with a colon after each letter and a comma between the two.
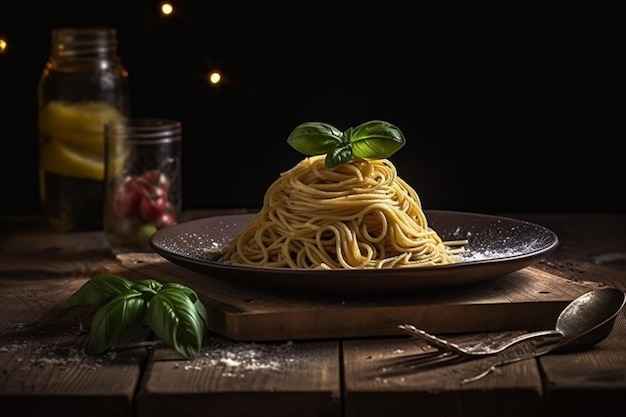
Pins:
x: 215, y: 77
x: 167, y: 9
x: 3, y: 45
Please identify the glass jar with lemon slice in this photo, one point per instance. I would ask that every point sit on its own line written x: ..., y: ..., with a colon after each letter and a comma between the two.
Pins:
x: 83, y: 87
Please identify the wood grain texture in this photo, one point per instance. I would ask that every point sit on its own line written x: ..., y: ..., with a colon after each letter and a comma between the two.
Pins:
x: 598, y: 373
x: 380, y: 380
x: 44, y: 367
x: 279, y: 379
x: 45, y: 370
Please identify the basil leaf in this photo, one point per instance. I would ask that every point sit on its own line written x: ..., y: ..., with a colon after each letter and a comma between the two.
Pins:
x: 190, y: 293
x: 204, y: 315
x: 375, y: 139
x: 173, y: 311
x: 338, y: 156
x: 193, y: 296
x: 371, y: 140
x: 147, y: 286
x: 173, y: 317
x: 116, y: 320
x: 99, y: 290
x: 315, y: 138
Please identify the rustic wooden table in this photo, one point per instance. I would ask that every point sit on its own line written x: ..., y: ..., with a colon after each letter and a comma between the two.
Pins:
x: 327, y: 356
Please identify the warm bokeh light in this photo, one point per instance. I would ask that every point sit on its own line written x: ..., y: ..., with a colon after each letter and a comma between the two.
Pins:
x: 167, y: 9
x: 215, y: 77
x: 3, y: 45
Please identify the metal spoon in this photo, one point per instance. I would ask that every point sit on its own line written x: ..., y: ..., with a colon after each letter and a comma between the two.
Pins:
x: 584, y: 312
x: 585, y: 322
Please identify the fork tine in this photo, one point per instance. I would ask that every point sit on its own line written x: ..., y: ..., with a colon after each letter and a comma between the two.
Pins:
x: 431, y: 339
x: 444, y: 353
x: 422, y: 362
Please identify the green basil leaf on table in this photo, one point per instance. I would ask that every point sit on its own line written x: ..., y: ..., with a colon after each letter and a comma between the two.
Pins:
x: 193, y: 296
x: 116, y: 320
x: 173, y: 317
x: 99, y: 290
x: 147, y: 286
x: 173, y: 312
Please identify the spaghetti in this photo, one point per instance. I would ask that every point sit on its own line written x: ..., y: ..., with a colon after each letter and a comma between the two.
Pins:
x: 358, y: 215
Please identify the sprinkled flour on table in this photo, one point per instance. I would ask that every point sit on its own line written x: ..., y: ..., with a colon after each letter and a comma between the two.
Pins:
x: 43, y: 354
x: 239, y: 357
x: 232, y: 358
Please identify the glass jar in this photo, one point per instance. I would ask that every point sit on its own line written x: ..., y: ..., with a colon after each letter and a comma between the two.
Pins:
x: 143, y: 181
x: 83, y: 86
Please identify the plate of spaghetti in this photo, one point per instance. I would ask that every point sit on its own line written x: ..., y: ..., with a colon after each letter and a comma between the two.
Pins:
x: 348, y: 222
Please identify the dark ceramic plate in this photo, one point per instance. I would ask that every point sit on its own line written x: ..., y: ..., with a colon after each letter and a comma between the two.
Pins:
x: 497, y: 246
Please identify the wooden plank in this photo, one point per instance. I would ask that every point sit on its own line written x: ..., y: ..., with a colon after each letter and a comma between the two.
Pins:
x: 378, y: 381
x: 44, y: 369
x: 242, y: 379
x: 590, y: 382
x: 54, y: 378
x: 528, y: 299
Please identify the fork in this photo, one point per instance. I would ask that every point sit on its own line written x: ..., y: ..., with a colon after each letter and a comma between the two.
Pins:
x: 449, y: 353
x: 479, y: 349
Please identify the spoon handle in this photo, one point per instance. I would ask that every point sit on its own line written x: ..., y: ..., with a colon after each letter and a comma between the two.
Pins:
x: 527, y: 336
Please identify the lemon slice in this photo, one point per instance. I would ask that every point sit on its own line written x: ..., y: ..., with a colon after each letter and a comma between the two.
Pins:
x: 83, y: 143
x: 74, y: 137
x: 80, y: 126
x: 64, y: 161
x: 76, y: 118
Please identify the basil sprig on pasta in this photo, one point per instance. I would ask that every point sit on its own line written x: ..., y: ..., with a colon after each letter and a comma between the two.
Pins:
x: 375, y: 139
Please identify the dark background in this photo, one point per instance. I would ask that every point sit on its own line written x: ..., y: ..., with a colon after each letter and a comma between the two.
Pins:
x: 506, y: 106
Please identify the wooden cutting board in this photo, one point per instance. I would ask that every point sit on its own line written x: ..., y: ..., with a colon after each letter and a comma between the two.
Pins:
x: 528, y: 299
